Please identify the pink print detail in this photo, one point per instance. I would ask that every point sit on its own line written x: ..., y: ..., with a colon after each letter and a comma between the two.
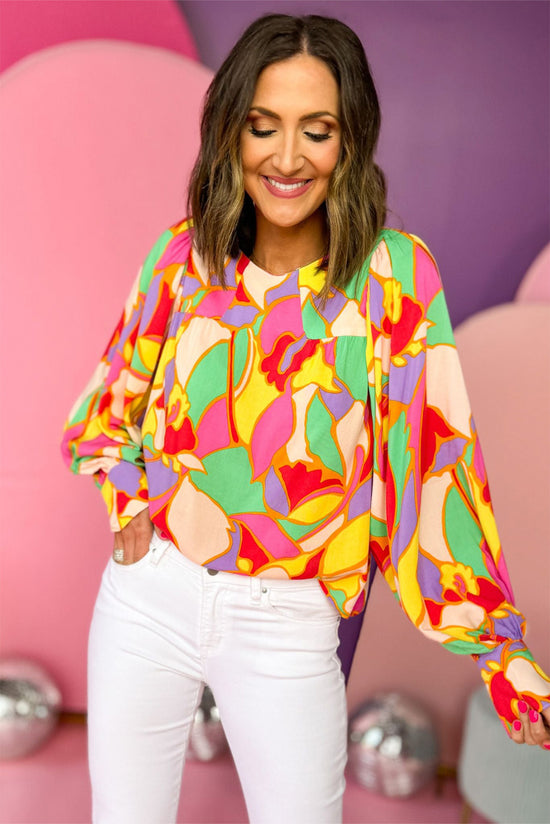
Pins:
x: 427, y: 279
x: 212, y: 431
x: 177, y: 250
x: 272, y: 431
x: 269, y: 535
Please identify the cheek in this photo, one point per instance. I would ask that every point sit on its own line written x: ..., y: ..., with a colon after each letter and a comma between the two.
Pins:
x: 329, y: 160
x: 250, y: 155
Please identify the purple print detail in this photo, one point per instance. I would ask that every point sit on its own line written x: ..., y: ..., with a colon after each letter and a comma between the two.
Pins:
x: 191, y: 285
x: 275, y: 495
x: 289, y: 353
x: 160, y: 478
x: 125, y: 477
x: 334, y: 305
x: 429, y: 579
x: 239, y: 315
x: 404, y: 379
x: 407, y: 522
x: 449, y: 453
x: 151, y: 300
x: 285, y: 289
x: 170, y: 374
x: 231, y: 273
x: 360, y: 501
x: 228, y: 561
x: 376, y: 301
x: 337, y: 403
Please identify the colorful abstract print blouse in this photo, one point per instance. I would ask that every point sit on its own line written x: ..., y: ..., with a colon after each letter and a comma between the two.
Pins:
x: 271, y: 434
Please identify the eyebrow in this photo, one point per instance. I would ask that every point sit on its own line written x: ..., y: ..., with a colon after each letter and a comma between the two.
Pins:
x: 275, y: 116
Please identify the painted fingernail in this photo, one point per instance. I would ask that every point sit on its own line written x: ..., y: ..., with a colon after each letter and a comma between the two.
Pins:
x: 517, y: 726
x: 533, y: 716
x: 522, y: 706
x: 546, y: 745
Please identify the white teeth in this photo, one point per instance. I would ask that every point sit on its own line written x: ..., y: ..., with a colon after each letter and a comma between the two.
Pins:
x: 287, y: 187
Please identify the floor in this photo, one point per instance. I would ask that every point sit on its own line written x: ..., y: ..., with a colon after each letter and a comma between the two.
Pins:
x: 51, y: 786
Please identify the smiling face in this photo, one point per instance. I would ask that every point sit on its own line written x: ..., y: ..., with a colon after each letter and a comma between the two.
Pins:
x: 290, y: 143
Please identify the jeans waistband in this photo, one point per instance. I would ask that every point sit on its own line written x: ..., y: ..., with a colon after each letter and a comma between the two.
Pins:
x: 236, y: 579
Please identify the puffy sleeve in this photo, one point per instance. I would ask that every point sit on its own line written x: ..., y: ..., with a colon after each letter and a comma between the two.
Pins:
x: 102, y: 436
x: 435, y: 538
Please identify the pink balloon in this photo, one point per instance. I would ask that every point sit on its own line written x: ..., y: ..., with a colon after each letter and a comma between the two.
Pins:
x: 98, y: 141
x: 32, y: 25
x: 535, y: 285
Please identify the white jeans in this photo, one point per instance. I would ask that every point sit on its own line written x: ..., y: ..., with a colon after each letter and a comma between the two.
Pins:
x: 267, y: 648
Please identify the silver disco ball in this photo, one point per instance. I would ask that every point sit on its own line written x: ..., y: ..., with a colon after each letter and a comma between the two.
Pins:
x: 29, y: 707
x: 207, y: 739
x: 392, y: 745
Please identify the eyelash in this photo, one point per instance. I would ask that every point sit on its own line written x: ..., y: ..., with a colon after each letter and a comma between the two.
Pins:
x: 317, y: 138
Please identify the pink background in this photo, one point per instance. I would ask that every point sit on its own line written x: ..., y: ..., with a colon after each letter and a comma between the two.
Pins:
x: 93, y: 165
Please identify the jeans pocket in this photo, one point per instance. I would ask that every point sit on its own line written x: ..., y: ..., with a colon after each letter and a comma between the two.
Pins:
x: 137, y: 564
x: 303, y: 605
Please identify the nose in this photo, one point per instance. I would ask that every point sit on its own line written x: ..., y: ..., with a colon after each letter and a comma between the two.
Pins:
x: 288, y: 158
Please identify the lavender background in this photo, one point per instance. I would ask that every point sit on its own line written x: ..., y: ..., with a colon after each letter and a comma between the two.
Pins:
x: 464, y: 88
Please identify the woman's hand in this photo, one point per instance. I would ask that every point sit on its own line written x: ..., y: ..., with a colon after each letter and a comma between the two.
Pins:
x: 132, y: 542
x: 531, y: 728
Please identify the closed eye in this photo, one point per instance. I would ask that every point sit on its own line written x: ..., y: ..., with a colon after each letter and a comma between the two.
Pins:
x: 260, y: 132
x: 316, y: 137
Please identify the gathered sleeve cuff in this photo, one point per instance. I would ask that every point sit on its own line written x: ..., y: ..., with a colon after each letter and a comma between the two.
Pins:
x: 102, y: 435
x: 437, y: 546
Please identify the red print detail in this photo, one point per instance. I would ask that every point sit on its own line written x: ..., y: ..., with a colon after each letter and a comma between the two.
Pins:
x: 300, y: 482
x: 271, y: 363
x: 434, y: 612
x: 252, y: 550
x: 104, y: 403
x: 434, y: 429
x: 180, y: 440
x: 312, y: 566
x: 502, y: 693
x: 402, y: 332
x: 240, y: 294
x: 157, y: 324
x: 122, y: 500
x: 490, y: 596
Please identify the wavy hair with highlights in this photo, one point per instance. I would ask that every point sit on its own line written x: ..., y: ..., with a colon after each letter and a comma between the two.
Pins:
x: 223, y: 214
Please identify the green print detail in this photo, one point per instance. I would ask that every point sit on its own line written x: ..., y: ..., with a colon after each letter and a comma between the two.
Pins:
x: 208, y: 381
x: 351, y: 365
x: 154, y: 255
x: 314, y: 325
x: 132, y: 454
x: 320, y: 437
x: 463, y: 534
x: 337, y: 596
x: 465, y: 647
x: 228, y: 481
x: 197, y: 297
x: 463, y: 478
x: 439, y: 325
x: 399, y: 455
x: 298, y: 531
x: 378, y: 529
x: 401, y: 252
x: 240, y: 354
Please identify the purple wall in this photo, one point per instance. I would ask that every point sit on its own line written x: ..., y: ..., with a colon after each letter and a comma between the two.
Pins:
x: 465, y: 142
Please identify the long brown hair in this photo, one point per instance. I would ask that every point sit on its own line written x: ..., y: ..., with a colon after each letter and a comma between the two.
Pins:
x: 223, y: 213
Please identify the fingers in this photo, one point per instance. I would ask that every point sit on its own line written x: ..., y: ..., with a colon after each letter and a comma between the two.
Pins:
x: 529, y: 727
x: 132, y: 542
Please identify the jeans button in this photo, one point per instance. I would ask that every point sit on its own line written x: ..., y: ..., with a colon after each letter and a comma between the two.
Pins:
x: 213, y: 571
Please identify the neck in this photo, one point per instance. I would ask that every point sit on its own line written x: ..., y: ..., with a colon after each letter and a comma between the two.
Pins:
x: 279, y: 249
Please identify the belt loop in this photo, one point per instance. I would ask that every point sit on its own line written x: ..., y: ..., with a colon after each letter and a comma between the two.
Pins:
x: 255, y: 588
x: 158, y: 548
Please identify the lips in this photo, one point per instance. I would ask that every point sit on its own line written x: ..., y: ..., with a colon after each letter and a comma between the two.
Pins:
x: 286, y: 187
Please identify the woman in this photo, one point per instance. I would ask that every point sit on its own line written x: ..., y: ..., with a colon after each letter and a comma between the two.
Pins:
x: 281, y: 403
